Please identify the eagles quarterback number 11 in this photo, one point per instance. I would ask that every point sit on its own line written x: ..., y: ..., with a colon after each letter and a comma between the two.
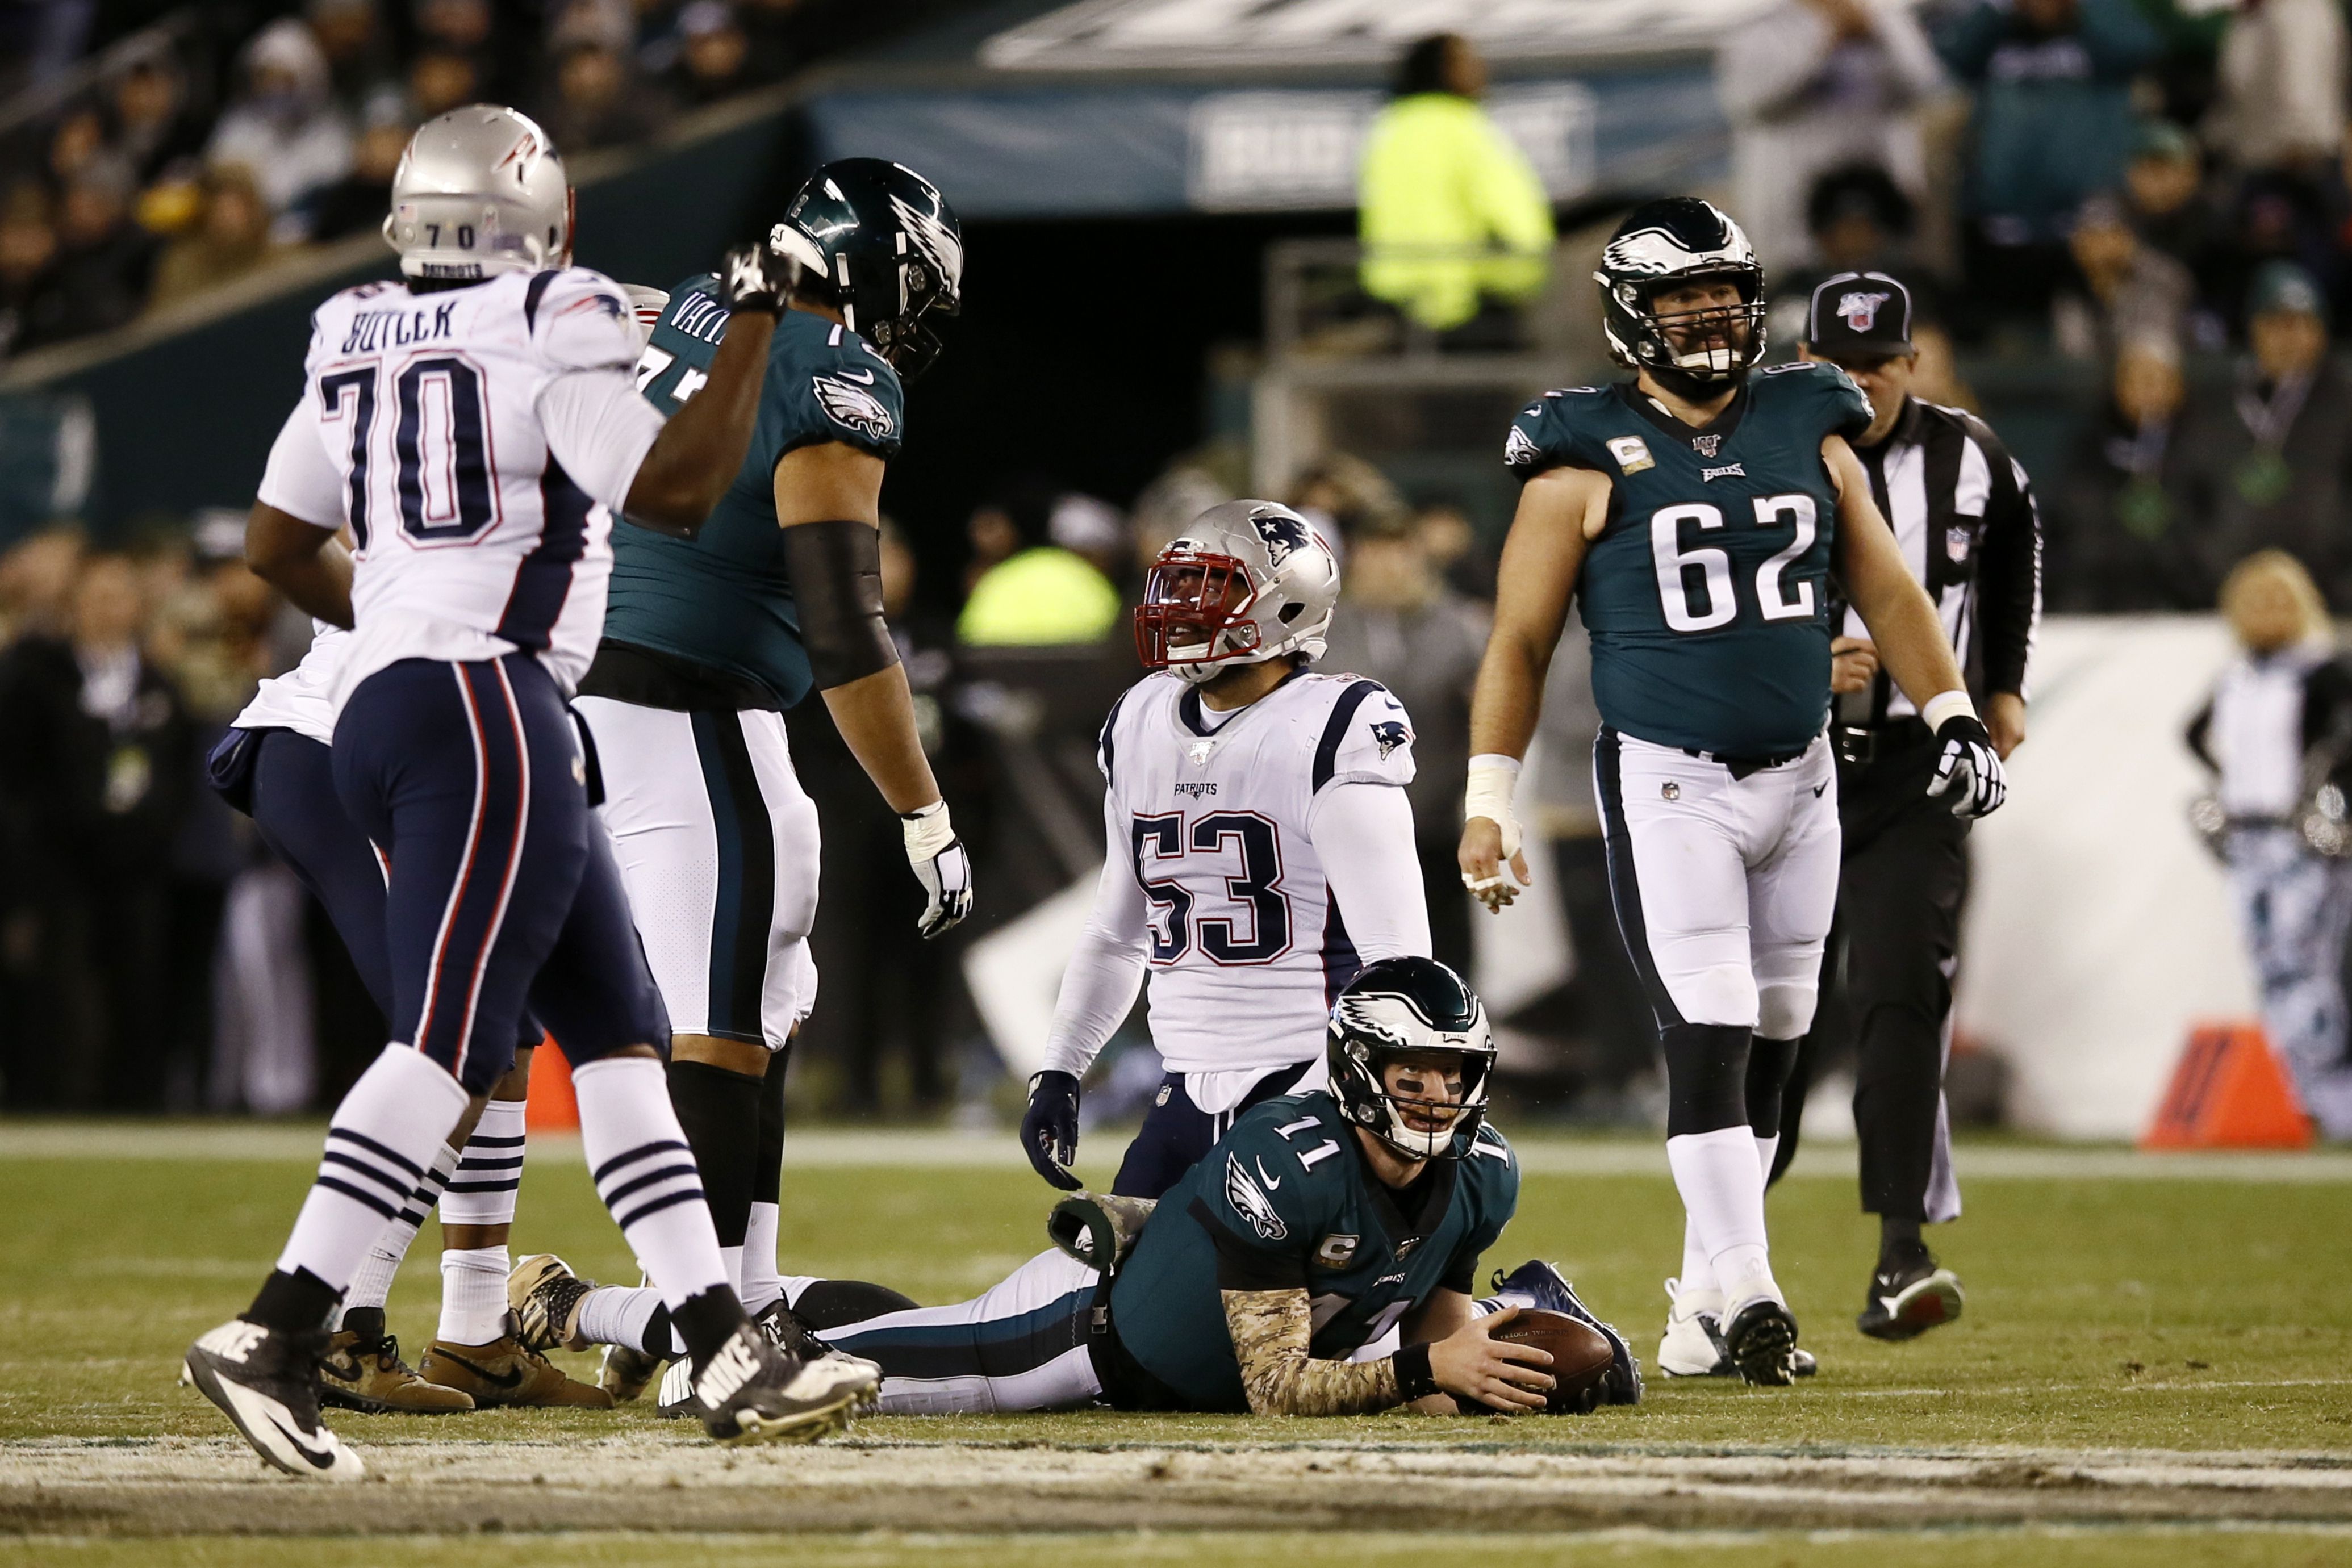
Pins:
x: 1773, y: 599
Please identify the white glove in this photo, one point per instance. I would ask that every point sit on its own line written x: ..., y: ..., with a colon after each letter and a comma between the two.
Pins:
x: 1492, y: 780
x: 1967, y: 773
x: 940, y: 864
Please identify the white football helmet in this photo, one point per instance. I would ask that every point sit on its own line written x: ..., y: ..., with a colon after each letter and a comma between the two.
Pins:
x: 480, y: 191
x: 1245, y: 582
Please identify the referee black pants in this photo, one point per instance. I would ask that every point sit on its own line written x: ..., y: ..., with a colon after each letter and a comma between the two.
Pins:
x: 1887, y: 976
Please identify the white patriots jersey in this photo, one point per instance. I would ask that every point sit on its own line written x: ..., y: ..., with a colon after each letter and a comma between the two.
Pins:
x: 302, y: 699
x: 1247, y: 950
x: 472, y: 540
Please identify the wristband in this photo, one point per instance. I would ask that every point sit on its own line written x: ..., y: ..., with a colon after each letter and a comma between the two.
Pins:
x: 1414, y: 1379
x: 1492, y: 780
x: 1944, y: 705
x: 928, y: 833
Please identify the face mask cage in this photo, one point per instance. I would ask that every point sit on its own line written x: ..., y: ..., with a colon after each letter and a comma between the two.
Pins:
x: 1742, y: 325
x: 1195, y: 611
x: 1363, y: 1092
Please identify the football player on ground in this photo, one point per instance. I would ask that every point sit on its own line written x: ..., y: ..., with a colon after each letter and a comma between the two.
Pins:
x: 707, y: 641
x: 1318, y: 1222
x: 1696, y: 512
x: 275, y: 765
x: 477, y: 427
x: 1257, y: 846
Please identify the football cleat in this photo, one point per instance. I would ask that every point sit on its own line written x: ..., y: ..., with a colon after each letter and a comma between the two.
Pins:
x: 361, y: 1370
x: 625, y: 1371
x: 1907, y: 1300
x: 1693, y: 1343
x: 507, y: 1373
x: 544, y: 1295
x: 1542, y: 1286
x: 1762, y: 1338
x: 750, y: 1392
x: 266, y: 1381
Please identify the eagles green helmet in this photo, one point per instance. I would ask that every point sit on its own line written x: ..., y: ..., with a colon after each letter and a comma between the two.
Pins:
x: 1404, y: 1007
x: 876, y: 242
x: 1681, y: 240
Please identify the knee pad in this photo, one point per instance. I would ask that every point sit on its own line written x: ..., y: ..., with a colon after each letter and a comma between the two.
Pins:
x: 1784, y: 1008
x: 1770, y: 1062
x: 1707, y: 1077
x: 837, y: 1303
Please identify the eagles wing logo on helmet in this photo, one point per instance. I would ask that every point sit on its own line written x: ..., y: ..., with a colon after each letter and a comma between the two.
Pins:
x: 1283, y: 533
x: 1388, y: 735
x: 853, y: 406
x: 1860, y: 312
x: 1249, y: 1201
x: 939, y: 244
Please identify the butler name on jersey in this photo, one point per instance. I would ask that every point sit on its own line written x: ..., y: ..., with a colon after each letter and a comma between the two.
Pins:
x: 1707, y: 592
x: 1215, y: 812
x: 473, y: 541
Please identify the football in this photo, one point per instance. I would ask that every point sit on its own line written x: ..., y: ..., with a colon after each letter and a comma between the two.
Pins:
x: 1581, y: 1354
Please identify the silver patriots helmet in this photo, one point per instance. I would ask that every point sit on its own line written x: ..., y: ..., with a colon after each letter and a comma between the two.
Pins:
x: 480, y: 191
x: 1681, y: 240
x: 1245, y: 582
x: 1410, y: 1007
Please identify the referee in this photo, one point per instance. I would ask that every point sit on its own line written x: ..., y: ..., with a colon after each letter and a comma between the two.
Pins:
x: 1964, y: 515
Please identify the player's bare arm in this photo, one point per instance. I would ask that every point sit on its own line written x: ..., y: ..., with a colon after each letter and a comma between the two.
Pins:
x: 307, y: 563
x: 701, y: 446
x: 1559, y: 514
x: 829, y: 503
x: 1908, y: 640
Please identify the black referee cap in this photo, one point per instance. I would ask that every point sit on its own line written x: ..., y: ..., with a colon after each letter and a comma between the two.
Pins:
x: 1859, y: 314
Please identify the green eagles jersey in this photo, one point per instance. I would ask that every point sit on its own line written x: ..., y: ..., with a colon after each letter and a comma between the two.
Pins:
x: 1286, y: 1200
x: 723, y: 600
x: 1706, y: 592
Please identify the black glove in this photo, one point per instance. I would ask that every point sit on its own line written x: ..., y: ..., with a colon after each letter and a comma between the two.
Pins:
x: 1049, y: 1128
x: 757, y: 277
x: 1968, y: 771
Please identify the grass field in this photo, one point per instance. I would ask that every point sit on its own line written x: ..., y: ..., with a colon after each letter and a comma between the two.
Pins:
x: 2157, y: 1360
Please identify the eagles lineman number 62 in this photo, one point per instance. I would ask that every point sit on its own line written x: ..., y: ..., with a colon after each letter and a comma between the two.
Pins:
x: 1774, y: 599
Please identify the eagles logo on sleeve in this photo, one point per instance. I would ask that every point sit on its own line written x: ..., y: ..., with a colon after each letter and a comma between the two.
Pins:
x: 1249, y: 1201
x: 1519, y: 451
x: 846, y: 403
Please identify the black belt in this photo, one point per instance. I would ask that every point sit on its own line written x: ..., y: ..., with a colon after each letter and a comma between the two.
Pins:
x: 1860, y: 745
x: 1741, y: 767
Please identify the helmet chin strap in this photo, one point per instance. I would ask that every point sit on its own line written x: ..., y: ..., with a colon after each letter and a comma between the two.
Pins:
x: 1684, y: 383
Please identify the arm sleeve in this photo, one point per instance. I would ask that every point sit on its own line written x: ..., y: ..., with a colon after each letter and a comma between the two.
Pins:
x: 1363, y: 837
x: 2008, y: 609
x: 1106, y: 969
x: 599, y: 428
x: 301, y: 480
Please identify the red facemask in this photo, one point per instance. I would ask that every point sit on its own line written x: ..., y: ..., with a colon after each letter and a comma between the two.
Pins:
x: 1194, y: 599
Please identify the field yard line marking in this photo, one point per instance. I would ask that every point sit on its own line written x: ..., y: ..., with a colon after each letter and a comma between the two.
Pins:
x: 2078, y: 1387
x: 910, y: 1149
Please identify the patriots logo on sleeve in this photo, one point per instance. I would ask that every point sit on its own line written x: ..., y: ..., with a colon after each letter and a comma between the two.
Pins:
x: 1388, y: 735
x: 846, y: 403
x: 604, y: 302
x: 1249, y: 1201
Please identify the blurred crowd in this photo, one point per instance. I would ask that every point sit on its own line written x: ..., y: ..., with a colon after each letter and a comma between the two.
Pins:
x: 182, y: 157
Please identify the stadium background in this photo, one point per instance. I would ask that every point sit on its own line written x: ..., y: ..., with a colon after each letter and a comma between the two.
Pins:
x: 1157, y: 199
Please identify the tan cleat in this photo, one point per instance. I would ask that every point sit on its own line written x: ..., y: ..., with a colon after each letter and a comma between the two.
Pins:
x: 626, y: 1372
x: 362, y: 1370
x: 507, y: 1373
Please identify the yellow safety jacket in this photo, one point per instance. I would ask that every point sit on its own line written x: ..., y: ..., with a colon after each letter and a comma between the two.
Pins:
x: 1439, y: 185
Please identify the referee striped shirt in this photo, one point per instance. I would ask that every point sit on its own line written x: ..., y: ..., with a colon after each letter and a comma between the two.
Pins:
x: 1964, y: 516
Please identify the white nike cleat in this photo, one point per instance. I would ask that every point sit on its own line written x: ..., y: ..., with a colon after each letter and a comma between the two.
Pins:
x: 752, y: 1392
x: 266, y: 1381
x: 1693, y: 1343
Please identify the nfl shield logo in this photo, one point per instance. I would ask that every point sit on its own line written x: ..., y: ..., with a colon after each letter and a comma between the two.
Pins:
x: 1860, y: 312
x: 1956, y: 543
x: 1197, y: 754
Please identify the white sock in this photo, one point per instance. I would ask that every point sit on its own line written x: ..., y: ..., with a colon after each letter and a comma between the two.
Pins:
x: 620, y: 1314
x: 473, y: 1294
x: 379, y: 1146
x: 1722, y: 1194
x: 489, y: 1172
x: 761, y: 1284
x: 733, y: 1258
x: 639, y: 1158
x: 1767, y: 1151
x: 1698, y: 1268
x: 372, y: 1284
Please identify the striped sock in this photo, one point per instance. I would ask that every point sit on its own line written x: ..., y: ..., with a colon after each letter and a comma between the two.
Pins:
x: 645, y: 1174
x: 372, y: 1284
x: 379, y: 1146
x: 489, y: 1172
